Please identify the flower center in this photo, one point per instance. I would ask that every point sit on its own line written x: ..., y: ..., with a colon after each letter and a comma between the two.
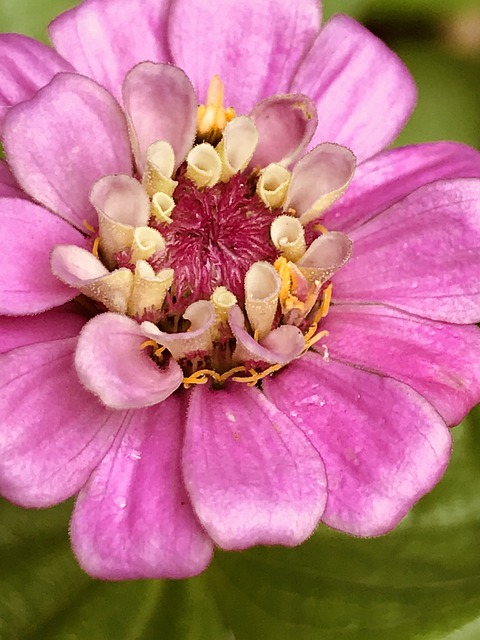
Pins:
x: 210, y: 254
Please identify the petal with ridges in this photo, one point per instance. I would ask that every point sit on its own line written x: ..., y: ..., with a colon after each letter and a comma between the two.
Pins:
x: 161, y: 105
x: 26, y: 66
x: 390, y: 176
x: 253, y: 478
x: 53, y: 432
x: 59, y: 164
x: 104, y: 39
x: 364, y: 116
x: 268, y: 55
x: 134, y: 519
x: 111, y: 364
x: 440, y: 361
x: 380, y: 457
x: 28, y: 285
x: 421, y: 255
x: 286, y: 125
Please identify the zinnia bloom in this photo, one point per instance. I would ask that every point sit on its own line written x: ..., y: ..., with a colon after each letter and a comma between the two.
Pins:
x: 228, y: 314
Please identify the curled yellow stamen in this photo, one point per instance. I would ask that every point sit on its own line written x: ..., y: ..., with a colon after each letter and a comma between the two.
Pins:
x: 88, y: 226
x: 148, y: 343
x: 321, y: 228
x: 96, y: 242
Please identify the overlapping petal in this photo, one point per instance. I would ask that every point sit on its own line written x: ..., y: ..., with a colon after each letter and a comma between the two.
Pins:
x: 27, y: 285
x: 253, y: 477
x: 208, y: 38
x: 392, y: 175
x: 133, y: 519
x: 365, y: 116
x: 104, y: 39
x: 53, y: 432
x: 421, y: 255
x: 440, y: 361
x: 161, y: 105
x: 25, y: 67
x: 380, y: 457
x: 111, y: 364
x: 9, y: 188
x: 59, y: 165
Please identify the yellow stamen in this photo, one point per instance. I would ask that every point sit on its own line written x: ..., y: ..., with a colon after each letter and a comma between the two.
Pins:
x: 327, y: 297
x: 96, y: 242
x: 88, y: 226
x: 321, y: 228
x: 212, y: 117
x: 255, y: 335
x: 148, y: 343
x: 256, y: 376
x: 309, y: 344
x: 158, y: 352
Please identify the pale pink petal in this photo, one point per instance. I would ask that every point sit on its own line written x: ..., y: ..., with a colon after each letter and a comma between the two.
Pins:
x: 161, y: 105
x: 363, y: 92
x: 286, y: 125
x: 279, y: 347
x: 30, y: 330
x: 111, y: 364
x: 134, y: 519
x: 25, y: 66
x: 255, y: 47
x: 27, y: 285
x: 383, y: 445
x: 421, y: 255
x: 390, y: 176
x: 325, y: 256
x: 52, y: 431
x: 104, y: 39
x: 9, y: 187
x: 59, y: 164
x: 440, y: 361
x: 252, y: 476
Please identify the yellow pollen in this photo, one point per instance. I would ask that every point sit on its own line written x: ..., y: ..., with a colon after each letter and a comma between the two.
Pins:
x: 321, y: 228
x: 88, y: 226
x: 212, y: 117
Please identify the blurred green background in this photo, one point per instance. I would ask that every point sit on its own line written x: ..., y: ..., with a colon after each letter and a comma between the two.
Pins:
x: 420, y: 582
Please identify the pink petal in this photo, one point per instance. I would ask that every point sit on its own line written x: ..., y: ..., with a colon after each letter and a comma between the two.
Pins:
x: 161, y: 105
x: 80, y: 136
x: 364, y: 94
x: 111, y: 364
x: 279, y: 347
x: 52, y: 431
x: 31, y: 330
x: 383, y: 445
x: 393, y: 174
x: 9, y: 187
x: 286, y: 125
x: 252, y: 476
x: 27, y: 285
x: 260, y: 42
x: 134, y: 518
x: 25, y: 66
x: 440, y: 361
x: 421, y: 255
x: 104, y: 39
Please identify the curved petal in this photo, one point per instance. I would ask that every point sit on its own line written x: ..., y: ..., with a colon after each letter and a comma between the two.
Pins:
x: 104, y: 39
x: 410, y: 349
x: 286, y: 125
x: 28, y: 285
x: 421, y: 255
x: 31, y: 330
x: 9, y: 187
x: 161, y: 105
x: 80, y: 136
x: 253, y: 478
x: 25, y: 66
x: 110, y: 363
x: 208, y: 38
x: 364, y: 94
x: 380, y: 457
x: 52, y: 431
x: 390, y: 176
x: 279, y: 347
x: 134, y: 519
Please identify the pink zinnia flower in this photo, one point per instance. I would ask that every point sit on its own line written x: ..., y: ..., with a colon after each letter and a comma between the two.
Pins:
x: 169, y: 348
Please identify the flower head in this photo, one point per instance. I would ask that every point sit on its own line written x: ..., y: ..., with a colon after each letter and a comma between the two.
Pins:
x: 228, y: 314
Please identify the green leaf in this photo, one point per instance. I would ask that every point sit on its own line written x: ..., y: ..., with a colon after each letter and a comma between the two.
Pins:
x: 31, y: 17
